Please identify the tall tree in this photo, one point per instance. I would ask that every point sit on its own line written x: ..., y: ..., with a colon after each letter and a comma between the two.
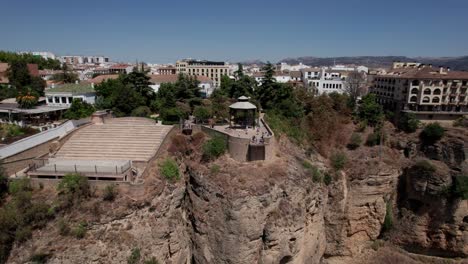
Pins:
x: 265, y: 92
x: 240, y: 71
x: 18, y: 75
x: 355, y: 85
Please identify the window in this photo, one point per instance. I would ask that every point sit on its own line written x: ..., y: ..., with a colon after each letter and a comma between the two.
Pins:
x: 427, y: 91
x: 50, y: 99
x: 415, y: 83
x: 426, y: 100
x: 437, y: 92
x: 436, y: 100
x: 64, y: 100
x: 70, y: 100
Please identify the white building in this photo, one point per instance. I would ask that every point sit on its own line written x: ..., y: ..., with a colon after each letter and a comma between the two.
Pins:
x: 206, y: 84
x: 323, y: 81
x: 62, y: 96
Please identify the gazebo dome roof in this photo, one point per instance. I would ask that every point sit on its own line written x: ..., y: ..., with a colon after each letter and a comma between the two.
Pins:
x: 243, y: 104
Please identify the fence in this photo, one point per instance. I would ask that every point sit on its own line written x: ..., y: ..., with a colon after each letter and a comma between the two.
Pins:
x: 40, y: 138
x: 83, y: 166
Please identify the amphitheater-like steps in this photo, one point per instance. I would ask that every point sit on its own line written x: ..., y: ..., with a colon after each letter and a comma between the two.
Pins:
x: 135, y: 139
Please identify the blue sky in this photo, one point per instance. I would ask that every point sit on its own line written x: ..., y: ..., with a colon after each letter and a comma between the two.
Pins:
x: 163, y: 31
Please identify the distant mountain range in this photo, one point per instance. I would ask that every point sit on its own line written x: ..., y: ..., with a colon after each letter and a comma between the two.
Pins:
x: 455, y: 63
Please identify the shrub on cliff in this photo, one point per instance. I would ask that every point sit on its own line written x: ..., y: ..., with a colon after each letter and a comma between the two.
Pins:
x: 408, y: 123
x: 214, y: 148
x: 170, y: 169
x: 73, y: 187
x: 354, y: 142
x: 110, y: 192
x: 338, y: 160
x: 461, y: 187
x: 432, y: 133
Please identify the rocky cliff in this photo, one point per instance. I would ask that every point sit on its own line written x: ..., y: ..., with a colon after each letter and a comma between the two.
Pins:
x: 275, y: 212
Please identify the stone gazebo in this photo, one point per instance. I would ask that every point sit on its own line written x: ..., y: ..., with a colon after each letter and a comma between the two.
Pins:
x: 242, y: 114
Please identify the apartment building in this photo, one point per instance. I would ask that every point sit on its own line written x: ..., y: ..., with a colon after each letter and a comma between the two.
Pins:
x: 322, y: 80
x: 211, y: 69
x: 168, y: 70
x: 430, y: 93
x: 73, y: 60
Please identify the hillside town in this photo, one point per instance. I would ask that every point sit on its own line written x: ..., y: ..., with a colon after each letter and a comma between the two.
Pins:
x: 98, y: 131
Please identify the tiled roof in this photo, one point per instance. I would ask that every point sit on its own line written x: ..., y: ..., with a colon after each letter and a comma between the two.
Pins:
x: 425, y: 73
x: 295, y: 74
x: 172, y: 78
x: 100, y: 78
x: 71, y: 88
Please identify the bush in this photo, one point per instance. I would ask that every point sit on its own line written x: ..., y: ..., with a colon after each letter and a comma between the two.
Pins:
x: 171, y: 115
x: 134, y: 256
x: 79, y: 109
x: 141, y: 111
x: 354, y: 142
x: 39, y: 258
x: 151, y: 261
x: 361, y: 127
x: 408, y: 123
x: 338, y: 160
x: 374, y: 139
x: 388, y: 220
x: 170, y: 169
x: 461, y: 122
x: 316, y: 175
x: 202, y: 113
x: 327, y: 178
x: 432, y: 133
x: 110, y: 192
x: 20, y: 185
x: 214, y: 148
x: 80, y: 230
x: 63, y: 227
x: 72, y: 188
x: 23, y: 233
x: 461, y: 187
x: 215, y: 169
x: 3, y: 185
x: 424, y: 167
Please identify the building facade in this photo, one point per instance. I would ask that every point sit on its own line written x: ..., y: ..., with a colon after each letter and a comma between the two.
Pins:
x: 429, y: 93
x: 321, y: 80
x: 62, y: 96
x: 211, y: 69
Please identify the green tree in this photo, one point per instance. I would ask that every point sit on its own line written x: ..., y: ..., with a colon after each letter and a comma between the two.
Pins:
x: 214, y: 148
x: 140, y: 82
x: 370, y: 111
x: 265, y: 92
x: 79, y: 109
x: 432, y: 133
x: 202, y: 113
x: 18, y: 75
x: 408, y: 123
x: 240, y: 71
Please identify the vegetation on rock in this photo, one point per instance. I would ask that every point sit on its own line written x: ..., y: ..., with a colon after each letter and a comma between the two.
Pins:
x: 170, y: 169
x: 214, y: 148
x: 432, y: 133
x: 79, y: 109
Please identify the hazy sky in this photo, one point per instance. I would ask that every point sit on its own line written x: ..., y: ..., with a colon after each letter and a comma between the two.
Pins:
x: 163, y: 31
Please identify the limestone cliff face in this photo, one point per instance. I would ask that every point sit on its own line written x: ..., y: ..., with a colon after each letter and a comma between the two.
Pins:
x: 268, y: 220
x: 357, y: 205
x: 431, y: 220
x: 246, y: 213
x: 273, y: 212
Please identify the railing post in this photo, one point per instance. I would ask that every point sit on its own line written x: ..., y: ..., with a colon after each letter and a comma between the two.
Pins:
x: 116, y: 169
x: 75, y: 169
x: 55, y: 168
x: 95, y: 168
